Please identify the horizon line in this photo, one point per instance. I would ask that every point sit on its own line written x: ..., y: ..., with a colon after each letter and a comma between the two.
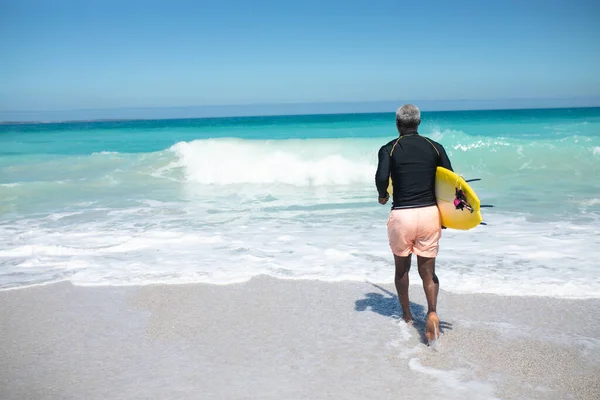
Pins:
x: 242, y: 110
x: 301, y: 103
x: 33, y: 122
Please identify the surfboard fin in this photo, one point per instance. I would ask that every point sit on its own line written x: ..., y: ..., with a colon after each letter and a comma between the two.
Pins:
x: 485, y: 205
x: 473, y: 180
x: 482, y: 223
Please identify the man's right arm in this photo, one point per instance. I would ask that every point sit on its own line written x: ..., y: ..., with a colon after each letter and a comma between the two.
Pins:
x: 382, y: 176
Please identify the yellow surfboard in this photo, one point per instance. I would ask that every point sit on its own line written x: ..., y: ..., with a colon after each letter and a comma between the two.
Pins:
x: 448, y: 187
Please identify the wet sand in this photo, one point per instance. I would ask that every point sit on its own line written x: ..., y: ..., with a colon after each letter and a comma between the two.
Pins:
x: 286, y: 339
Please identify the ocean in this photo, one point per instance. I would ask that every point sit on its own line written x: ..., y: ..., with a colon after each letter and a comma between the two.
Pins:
x: 223, y: 200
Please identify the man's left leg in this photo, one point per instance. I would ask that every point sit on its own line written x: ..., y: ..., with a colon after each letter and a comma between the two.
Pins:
x: 401, y: 281
x: 426, y: 248
x: 431, y: 286
x: 401, y: 227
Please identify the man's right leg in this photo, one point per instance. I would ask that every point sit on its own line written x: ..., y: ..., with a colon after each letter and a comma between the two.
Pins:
x: 401, y: 281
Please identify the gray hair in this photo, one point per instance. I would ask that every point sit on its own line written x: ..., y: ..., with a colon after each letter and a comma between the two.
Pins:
x: 408, y: 116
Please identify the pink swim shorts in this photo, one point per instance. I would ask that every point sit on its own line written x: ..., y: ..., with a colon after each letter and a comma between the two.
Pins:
x: 415, y: 230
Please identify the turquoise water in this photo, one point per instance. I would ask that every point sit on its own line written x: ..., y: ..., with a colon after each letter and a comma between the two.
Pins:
x: 222, y: 200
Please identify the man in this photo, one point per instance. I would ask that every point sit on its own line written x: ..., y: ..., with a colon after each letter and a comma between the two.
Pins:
x: 414, y: 222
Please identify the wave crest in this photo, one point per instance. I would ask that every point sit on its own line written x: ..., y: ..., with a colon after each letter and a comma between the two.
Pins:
x: 230, y: 161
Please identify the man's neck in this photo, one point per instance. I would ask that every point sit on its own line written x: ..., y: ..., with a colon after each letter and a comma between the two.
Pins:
x: 409, y: 132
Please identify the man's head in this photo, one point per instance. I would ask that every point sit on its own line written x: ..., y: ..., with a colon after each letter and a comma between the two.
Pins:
x: 408, y: 118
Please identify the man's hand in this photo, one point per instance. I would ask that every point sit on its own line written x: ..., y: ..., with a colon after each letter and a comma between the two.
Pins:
x: 383, y: 200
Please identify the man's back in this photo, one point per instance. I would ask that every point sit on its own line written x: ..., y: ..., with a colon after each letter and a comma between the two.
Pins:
x: 411, y: 160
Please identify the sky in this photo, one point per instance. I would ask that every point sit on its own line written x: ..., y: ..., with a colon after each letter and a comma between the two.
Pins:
x: 68, y: 56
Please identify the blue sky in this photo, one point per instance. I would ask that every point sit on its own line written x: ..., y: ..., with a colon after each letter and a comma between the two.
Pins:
x: 76, y: 54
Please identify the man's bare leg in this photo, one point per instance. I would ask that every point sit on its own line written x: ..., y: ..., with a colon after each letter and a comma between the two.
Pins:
x: 401, y: 281
x: 431, y: 286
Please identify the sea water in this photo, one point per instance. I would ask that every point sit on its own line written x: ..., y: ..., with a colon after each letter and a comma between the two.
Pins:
x: 223, y: 200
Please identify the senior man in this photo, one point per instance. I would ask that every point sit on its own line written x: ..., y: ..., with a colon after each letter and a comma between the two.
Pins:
x: 414, y: 222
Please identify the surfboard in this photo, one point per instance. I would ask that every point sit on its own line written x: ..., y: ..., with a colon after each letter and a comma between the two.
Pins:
x: 458, y: 203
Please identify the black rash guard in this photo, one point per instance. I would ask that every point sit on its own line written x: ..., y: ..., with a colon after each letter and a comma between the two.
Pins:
x: 411, y: 165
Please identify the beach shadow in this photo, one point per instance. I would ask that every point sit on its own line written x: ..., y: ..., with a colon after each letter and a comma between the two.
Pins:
x: 389, y: 306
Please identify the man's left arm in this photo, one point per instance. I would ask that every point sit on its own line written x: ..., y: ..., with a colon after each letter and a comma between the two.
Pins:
x: 444, y: 160
x: 382, y: 176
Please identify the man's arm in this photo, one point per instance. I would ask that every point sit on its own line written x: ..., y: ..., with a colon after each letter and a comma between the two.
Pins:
x: 444, y: 160
x: 382, y: 176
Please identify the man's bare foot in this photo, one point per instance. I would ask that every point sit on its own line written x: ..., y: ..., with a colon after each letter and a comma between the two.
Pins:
x: 432, y: 330
x: 408, y: 319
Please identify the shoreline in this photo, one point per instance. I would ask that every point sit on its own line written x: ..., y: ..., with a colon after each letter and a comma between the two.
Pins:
x: 286, y: 338
x: 415, y: 284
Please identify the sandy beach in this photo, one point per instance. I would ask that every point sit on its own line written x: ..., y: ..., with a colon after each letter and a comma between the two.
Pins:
x: 290, y: 339
x: 191, y: 200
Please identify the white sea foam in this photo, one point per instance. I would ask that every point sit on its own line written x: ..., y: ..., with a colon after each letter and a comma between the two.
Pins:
x: 33, y: 251
x: 493, y: 144
x: 590, y: 202
x: 456, y: 384
x: 230, y: 162
x: 225, y: 237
